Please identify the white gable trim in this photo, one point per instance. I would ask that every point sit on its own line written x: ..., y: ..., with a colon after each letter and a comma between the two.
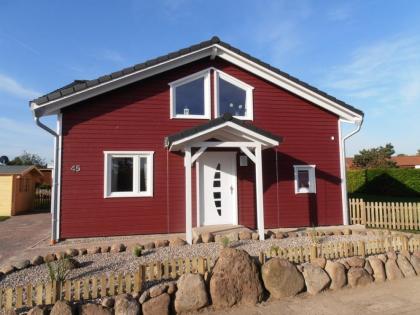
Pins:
x: 53, y: 106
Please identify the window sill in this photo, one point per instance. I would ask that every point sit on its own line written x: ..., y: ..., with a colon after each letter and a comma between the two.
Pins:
x: 128, y: 195
x: 190, y: 117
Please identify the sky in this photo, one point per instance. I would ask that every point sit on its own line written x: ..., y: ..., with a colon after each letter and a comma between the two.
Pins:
x: 366, y: 53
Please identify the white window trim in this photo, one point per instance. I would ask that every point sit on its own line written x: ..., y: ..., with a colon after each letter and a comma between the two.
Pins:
x: 207, y: 95
x: 136, y: 155
x: 249, y: 102
x: 312, y: 179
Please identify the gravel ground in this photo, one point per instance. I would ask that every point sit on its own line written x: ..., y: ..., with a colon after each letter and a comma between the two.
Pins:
x: 96, y: 264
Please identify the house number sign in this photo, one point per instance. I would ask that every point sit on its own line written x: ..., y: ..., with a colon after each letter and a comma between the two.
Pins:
x: 75, y: 168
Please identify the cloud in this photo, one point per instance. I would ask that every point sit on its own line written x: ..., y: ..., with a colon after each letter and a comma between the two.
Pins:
x: 385, y: 72
x: 18, y: 136
x: 111, y: 55
x: 10, y: 86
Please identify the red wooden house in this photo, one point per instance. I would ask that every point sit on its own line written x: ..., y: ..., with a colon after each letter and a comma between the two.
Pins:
x: 202, y: 136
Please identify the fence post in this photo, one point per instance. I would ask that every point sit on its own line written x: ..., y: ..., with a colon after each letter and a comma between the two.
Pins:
x: 363, y: 212
x: 404, y: 242
x: 314, y: 252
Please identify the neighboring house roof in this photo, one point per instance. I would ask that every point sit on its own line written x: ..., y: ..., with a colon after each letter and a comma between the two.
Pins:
x: 219, y: 122
x: 18, y: 169
x: 195, y: 52
x: 402, y: 161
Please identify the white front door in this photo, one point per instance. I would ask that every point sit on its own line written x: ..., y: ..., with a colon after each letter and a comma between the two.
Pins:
x: 217, y: 188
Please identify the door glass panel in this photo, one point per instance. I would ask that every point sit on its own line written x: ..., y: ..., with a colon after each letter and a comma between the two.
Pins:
x: 217, y: 195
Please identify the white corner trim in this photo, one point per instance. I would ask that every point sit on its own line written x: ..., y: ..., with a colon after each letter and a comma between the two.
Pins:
x: 59, y: 162
x: 249, y: 91
x: 312, y: 178
x: 136, y: 155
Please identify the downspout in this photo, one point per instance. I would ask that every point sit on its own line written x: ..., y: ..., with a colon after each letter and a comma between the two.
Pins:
x: 343, y: 169
x: 54, y: 196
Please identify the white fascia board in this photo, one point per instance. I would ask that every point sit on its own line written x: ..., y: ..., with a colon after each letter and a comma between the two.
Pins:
x: 287, y: 84
x: 53, y: 106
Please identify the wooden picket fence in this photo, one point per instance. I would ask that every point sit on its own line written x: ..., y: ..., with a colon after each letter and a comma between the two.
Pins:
x: 101, y: 286
x: 336, y: 250
x: 42, y: 198
x: 388, y: 215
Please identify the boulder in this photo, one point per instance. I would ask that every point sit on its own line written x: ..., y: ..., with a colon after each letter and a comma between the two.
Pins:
x: 60, y: 255
x: 117, y: 248
x: 405, y: 266
x: 144, y: 296
x: 356, y: 261
x: 377, y: 266
x: 255, y: 236
x: 191, y: 294
x: 37, y: 310
x: 49, y: 258
x: 207, y: 237
x: 316, y: 278
x: 171, y: 288
x: 176, y: 242
x: 416, y: 253
x: 382, y: 257
x: 71, y: 252
x: 94, y: 250
x: 157, y: 306
x: 337, y: 274
x: 149, y: 245
x: 270, y: 234
x: 105, y: 249
x: 197, y: 239
x: 157, y: 290
x: 108, y: 302
x: 368, y: 267
x: 415, y: 262
x: 347, y: 231
x: 358, y: 276
x: 338, y: 232
x: 72, y: 263
x: 235, y: 279
x: 61, y: 308
x: 320, y: 262
x: 125, y: 304
x: 82, y: 251
x: 94, y: 309
x: 161, y: 243
x: 37, y: 260
x: 280, y: 235
x: 392, y: 271
x: 233, y: 236
x: 245, y: 235
x: 405, y: 253
x: 22, y: 264
x: 281, y: 278
x: 7, y: 269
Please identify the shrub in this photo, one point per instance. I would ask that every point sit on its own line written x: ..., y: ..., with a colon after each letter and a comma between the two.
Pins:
x: 59, y: 270
x: 274, y: 250
x: 225, y: 242
x: 137, y: 251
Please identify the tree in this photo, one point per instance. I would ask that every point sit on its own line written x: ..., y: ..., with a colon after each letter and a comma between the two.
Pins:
x: 29, y: 159
x: 379, y: 157
x: 401, y: 154
x: 418, y: 152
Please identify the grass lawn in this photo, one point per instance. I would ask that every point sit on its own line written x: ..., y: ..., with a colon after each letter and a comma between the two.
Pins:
x: 378, y: 198
x: 3, y: 218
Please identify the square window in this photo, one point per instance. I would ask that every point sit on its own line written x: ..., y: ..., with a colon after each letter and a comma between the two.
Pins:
x: 128, y: 174
x: 305, y: 181
x: 190, y: 96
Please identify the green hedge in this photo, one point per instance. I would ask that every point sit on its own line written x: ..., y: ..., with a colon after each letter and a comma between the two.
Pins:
x: 392, y: 181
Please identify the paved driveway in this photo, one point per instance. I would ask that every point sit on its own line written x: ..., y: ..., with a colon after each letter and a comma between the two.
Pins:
x: 20, y: 233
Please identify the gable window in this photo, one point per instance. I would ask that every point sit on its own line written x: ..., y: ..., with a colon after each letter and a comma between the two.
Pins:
x: 190, y: 96
x: 128, y: 174
x: 232, y: 96
x: 305, y: 181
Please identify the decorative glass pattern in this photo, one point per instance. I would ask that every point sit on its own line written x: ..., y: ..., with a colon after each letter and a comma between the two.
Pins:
x: 217, y: 196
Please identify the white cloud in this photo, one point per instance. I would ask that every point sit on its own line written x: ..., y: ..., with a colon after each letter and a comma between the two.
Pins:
x: 385, y: 72
x: 11, y: 86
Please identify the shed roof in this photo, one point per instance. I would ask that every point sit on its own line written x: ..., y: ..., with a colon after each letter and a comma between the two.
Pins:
x: 17, y: 169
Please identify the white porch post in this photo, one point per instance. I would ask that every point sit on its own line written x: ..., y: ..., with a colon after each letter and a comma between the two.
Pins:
x: 259, y: 191
x: 188, y: 199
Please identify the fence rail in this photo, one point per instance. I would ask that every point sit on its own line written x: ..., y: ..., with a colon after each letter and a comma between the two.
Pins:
x: 388, y: 215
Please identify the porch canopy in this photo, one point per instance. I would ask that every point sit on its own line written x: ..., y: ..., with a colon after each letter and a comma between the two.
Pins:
x: 223, y: 132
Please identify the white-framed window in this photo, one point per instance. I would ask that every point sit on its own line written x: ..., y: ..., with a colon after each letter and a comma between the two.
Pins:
x: 305, y: 180
x: 128, y: 174
x: 232, y: 96
x: 190, y: 96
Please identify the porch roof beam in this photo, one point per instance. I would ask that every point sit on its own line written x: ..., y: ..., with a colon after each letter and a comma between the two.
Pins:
x: 225, y: 144
x: 198, y: 154
x: 249, y: 154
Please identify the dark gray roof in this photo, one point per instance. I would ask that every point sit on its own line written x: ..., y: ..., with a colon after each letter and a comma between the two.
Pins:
x: 80, y: 85
x: 14, y: 169
x: 215, y: 122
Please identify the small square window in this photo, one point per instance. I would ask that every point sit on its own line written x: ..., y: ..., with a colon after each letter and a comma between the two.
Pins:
x: 305, y: 181
x: 128, y: 174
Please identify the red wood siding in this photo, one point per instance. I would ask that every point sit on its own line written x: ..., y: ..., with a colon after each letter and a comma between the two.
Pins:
x: 136, y: 117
